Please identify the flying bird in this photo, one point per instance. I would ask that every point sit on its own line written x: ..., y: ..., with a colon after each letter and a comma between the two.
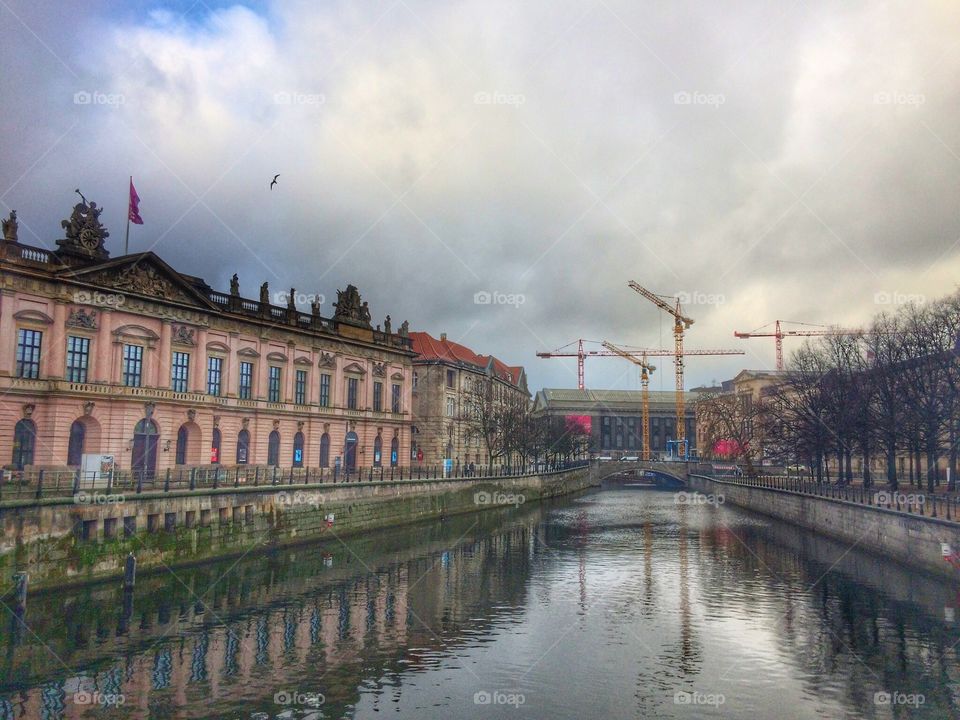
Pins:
x: 274, y: 180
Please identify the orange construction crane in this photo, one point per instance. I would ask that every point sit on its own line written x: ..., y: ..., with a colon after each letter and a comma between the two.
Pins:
x: 645, y: 369
x: 680, y: 323
x: 779, y: 333
x: 581, y: 354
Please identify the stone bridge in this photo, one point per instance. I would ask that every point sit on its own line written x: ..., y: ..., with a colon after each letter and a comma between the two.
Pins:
x: 662, y: 474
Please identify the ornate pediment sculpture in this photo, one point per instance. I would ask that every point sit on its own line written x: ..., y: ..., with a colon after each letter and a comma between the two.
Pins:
x: 80, y: 318
x: 327, y: 360
x: 350, y: 309
x: 380, y: 369
x: 10, y: 226
x: 84, y: 232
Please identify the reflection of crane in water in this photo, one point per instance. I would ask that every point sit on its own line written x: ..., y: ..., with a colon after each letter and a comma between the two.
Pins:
x: 583, y: 530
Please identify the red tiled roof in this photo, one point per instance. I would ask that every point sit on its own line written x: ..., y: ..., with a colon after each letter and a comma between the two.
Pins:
x: 430, y: 348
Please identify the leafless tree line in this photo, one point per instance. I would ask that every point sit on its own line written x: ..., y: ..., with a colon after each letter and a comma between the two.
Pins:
x: 887, y: 393
x: 510, y: 434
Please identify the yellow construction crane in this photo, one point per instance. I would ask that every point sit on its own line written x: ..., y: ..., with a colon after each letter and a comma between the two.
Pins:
x: 680, y: 323
x: 645, y: 368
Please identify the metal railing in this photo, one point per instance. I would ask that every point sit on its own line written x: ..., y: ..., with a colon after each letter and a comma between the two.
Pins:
x: 36, y: 485
x: 920, y: 504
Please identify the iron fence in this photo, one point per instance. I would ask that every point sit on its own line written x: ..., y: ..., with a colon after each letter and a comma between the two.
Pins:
x: 25, y: 485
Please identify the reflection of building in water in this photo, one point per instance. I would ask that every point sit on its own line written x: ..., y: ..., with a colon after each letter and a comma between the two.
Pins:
x: 351, y: 633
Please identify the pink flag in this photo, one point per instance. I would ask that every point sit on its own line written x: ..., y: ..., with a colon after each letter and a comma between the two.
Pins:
x: 134, y: 209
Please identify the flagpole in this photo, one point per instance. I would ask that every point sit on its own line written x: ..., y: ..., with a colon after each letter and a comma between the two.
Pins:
x: 126, y: 240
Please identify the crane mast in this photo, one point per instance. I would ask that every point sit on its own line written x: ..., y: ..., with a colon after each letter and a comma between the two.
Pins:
x: 680, y: 323
x: 645, y: 369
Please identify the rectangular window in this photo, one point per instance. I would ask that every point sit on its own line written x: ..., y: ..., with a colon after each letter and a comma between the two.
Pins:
x: 377, y: 396
x: 300, y: 388
x: 451, y: 407
x: 416, y: 379
x: 352, y: 385
x: 395, y: 398
x: 132, y: 365
x: 451, y: 378
x: 214, y: 375
x: 78, y: 358
x: 28, y: 353
x: 273, y: 388
x: 246, y: 380
x: 324, y: 390
x: 180, y: 372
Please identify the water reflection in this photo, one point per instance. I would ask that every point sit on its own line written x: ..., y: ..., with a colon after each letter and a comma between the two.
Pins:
x: 618, y: 604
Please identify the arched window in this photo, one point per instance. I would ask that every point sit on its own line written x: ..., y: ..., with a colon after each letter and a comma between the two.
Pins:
x: 146, y: 437
x: 243, y: 447
x: 324, y: 450
x: 182, y: 445
x: 24, y: 442
x: 350, y: 451
x: 273, y: 449
x: 215, y: 446
x: 377, y: 451
x: 75, y: 448
x: 394, y: 452
x: 298, y: 450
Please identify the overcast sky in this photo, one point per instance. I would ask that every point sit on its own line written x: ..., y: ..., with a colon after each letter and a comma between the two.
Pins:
x: 792, y: 160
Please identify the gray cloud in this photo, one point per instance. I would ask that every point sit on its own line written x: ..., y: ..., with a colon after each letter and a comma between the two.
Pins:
x: 793, y: 161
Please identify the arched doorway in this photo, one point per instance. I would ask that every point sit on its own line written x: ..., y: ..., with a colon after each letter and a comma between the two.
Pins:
x: 146, y: 437
x: 324, y: 450
x: 377, y: 451
x: 350, y: 451
x: 298, y: 450
x: 243, y: 447
x: 183, y: 437
x: 24, y: 443
x: 273, y: 449
x: 78, y: 434
x: 215, y: 441
x: 394, y: 452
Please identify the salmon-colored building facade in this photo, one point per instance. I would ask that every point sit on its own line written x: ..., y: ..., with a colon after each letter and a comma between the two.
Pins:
x: 131, y: 358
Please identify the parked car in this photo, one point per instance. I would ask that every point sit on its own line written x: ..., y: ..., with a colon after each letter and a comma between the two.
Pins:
x: 630, y: 458
x: 604, y: 458
x: 797, y: 470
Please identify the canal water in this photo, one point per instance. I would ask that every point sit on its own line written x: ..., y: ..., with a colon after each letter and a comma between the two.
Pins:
x: 620, y: 603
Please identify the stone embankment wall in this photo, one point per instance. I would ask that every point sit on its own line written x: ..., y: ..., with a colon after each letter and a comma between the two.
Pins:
x: 68, y: 540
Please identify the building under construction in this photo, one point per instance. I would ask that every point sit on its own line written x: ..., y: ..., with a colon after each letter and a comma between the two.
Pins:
x: 614, y: 418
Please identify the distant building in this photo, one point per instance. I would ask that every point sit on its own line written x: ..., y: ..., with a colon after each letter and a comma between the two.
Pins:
x: 614, y: 418
x: 749, y: 387
x: 446, y: 375
x: 128, y: 357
